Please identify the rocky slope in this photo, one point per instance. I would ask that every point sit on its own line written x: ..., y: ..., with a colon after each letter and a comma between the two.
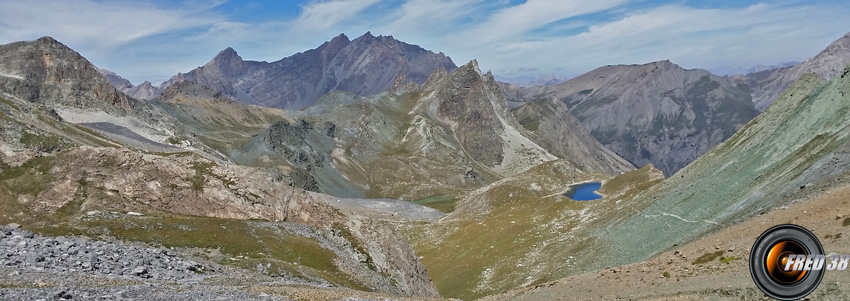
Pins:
x: 657, y: 113
x: 769, y: 84
x: 552, y: 126
x: 365, y: 66
x: 210, y: 173
x: 49, y: 72
x: 802, y: 138
x: 661, y: 114
x: 53, y: 171
x: 717, y: 266
x: 520, y: 231
x: 451, y: 135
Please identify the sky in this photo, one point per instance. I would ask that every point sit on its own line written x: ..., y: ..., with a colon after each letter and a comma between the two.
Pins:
x: 155, y: 39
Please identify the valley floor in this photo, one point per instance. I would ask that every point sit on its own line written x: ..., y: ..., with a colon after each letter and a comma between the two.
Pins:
x: 715, y: 267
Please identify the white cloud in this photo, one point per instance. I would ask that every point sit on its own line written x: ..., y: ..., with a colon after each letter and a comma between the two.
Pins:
x: 99, y: 26
x: 514, y: 21
x: 319, y: 17
x: 143, y: 41
x: 759, y: 34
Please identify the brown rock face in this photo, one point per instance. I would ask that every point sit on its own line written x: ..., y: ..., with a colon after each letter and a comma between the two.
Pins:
x: 365, y: 66
x: 48, y: 72
x: 465, y: 100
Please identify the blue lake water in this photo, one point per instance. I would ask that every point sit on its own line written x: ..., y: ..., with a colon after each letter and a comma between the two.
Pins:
x: 584, y: 191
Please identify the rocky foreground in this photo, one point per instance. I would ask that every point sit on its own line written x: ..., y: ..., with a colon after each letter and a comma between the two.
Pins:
x: 35, y: 267
x: 47, y: 268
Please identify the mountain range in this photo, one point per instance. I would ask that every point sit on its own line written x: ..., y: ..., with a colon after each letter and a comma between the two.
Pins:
x: 372, y: 168
x: 365, y: 66
x: 347, y: 166
x: 661, y: 114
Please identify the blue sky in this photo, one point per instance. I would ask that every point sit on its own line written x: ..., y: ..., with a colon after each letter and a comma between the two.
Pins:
x: 153, y: 40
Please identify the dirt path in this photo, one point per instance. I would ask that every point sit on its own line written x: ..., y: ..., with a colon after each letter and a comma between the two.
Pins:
x: 674, y: 275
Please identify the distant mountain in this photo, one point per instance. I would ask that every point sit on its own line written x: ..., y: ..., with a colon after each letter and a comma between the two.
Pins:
x: 452, y: 134
x: 739, y: 70
x: 656, y: 113
x: 365, y: 66
x: 768, y: 84
x: 546, y: 80
x: 145, y: 90
x: 120, y: 83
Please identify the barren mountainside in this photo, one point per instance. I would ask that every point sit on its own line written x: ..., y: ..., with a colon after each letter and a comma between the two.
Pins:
x: 77, y: 155
x: 365, y: 66
x: 656, y: 113
x: 768, y: 84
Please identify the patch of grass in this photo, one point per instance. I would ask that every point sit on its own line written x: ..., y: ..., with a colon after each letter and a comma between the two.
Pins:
x: 846, y: 222
x: 9, y: 103
x: 457, y: 262
x: 707, y: 257
x: 585, y: 92
x: 630, y: 182
x: 30, y: 178
x: 727, y: 260
x: 444, y: 203
x: 530, y: 124
x: 258, y: 244
x: 665, y: 274
x: 173, y: 140
x: 43, y: 142
x: 73, y: 207
x: 202, y: 170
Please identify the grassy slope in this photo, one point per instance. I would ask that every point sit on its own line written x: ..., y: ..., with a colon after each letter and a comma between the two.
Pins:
x: 747, y: 174
x: 524, y: 235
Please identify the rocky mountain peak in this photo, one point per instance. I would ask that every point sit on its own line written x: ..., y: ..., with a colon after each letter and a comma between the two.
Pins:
x: 227, y: 54
x: 366, y: 66
x: 474, y: 104
x: 656, y: 113
x: 337, y: 42
x: 435, y: 77
x: 402, y: 84
x: 46, y: 40
x: 48, y: 71
x: 227, y: 60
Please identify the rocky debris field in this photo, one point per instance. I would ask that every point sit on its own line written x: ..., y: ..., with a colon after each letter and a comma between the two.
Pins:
x: 24, y: 250
x: 33, y: 267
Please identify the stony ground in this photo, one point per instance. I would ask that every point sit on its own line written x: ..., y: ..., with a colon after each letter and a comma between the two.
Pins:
x: 34, y: 267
